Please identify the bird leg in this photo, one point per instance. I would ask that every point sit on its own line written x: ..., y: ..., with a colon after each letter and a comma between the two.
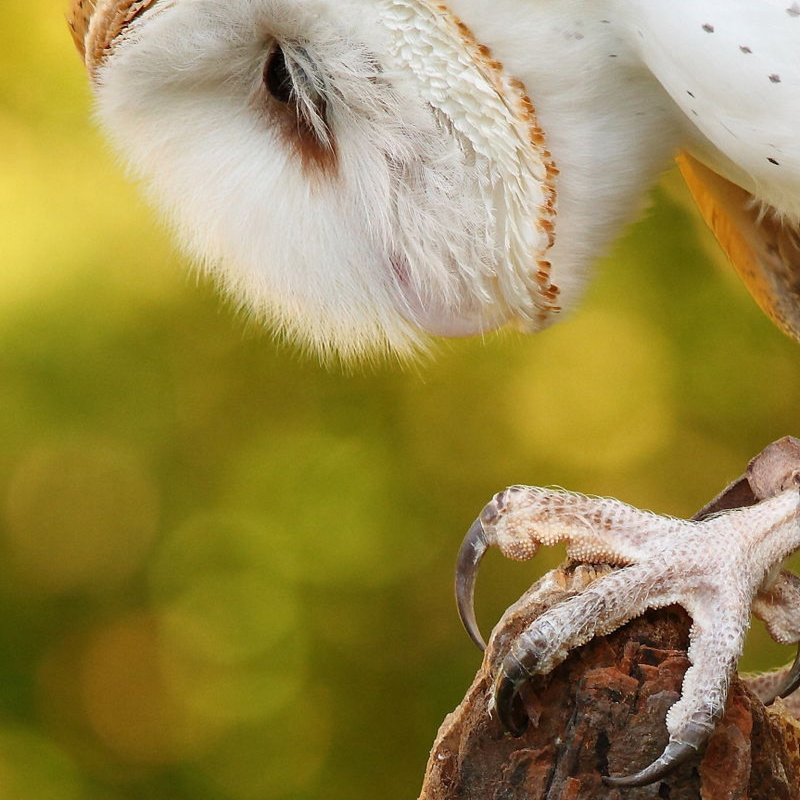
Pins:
x: 720, y: 566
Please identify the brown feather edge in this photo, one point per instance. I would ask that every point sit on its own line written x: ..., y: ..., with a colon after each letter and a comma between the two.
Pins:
x: 524, y: 111
x: 96, y: 24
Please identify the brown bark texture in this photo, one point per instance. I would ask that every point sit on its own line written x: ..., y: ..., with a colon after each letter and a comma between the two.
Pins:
x: 602, y: 712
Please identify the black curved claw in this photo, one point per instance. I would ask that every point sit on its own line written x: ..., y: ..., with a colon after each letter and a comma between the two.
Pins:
x: 675, y: 754
x: 472, y: 550
x: 792, y: 681
x: 793, y: 678
x: 506, y: 691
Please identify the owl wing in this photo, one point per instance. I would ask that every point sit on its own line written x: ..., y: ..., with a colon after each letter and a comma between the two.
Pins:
x: 764, y: 249
x: 733, y: 70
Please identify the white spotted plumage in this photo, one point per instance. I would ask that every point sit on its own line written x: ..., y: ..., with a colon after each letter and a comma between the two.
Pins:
x: 733, y: 70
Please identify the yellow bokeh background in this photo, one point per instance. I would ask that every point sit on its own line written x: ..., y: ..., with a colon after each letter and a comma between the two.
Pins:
x: 225, y: 570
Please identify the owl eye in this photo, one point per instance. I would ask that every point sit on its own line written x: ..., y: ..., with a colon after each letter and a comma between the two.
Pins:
x: 277, y: 78
x: 296, y: 88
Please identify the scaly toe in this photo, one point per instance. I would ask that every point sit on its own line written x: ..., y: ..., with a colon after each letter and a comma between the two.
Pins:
x: 713, y: 567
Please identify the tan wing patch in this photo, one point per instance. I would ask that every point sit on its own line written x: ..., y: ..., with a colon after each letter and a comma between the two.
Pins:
x: 764, y: 249
x: 80, y: 15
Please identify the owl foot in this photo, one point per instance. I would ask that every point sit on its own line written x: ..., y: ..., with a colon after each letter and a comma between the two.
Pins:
x: 721, y: 566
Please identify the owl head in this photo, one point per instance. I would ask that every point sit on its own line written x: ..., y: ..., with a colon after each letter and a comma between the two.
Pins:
x: 357, y: 173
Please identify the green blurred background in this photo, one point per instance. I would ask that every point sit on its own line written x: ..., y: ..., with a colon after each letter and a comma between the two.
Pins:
x: 225, y: 571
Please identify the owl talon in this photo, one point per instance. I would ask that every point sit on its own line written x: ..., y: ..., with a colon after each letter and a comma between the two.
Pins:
x: 470, y: 554
x: 512, y: 676
x: 720, y: 567
x: 509, y: 711
x: 675, y: 754
x: 791, y: 682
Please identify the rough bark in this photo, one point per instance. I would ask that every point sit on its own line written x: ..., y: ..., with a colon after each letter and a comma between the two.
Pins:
x: 602, y: 712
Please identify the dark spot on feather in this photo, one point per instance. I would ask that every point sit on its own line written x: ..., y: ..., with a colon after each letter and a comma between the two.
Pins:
x: 708, y: 28
x: 773, y: 161
x: 745, y: 49
x: 775, y: 78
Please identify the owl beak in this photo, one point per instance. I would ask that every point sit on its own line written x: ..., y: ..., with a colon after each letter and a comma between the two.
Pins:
x: 764, y: 248
x: 95, y: 24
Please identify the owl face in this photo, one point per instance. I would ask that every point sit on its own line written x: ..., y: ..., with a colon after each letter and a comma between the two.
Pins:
x: 358, y: 174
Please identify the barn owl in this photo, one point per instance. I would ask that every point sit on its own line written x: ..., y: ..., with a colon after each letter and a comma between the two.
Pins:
x: 365, y: 174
